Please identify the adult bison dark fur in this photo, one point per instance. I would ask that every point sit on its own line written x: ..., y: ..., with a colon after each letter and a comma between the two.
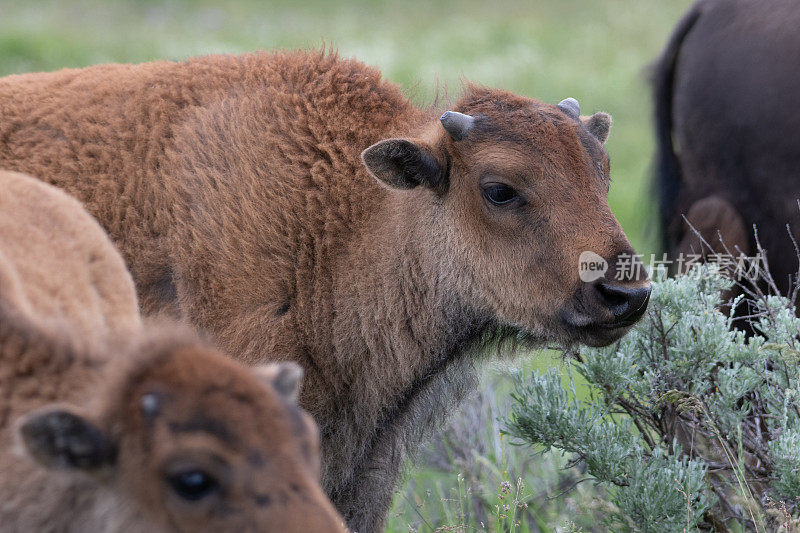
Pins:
x: 727, y: 119
x: 235, y: 188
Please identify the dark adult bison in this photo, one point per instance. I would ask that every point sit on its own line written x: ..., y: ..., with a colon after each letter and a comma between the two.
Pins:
x: 296, y: 204
x: 727, y: 118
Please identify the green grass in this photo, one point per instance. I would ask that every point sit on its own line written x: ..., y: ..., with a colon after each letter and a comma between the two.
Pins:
x: 596, y: 51
x: 459, y: 474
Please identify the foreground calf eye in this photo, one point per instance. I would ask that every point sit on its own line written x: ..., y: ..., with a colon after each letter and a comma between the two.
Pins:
x: 193, y: 485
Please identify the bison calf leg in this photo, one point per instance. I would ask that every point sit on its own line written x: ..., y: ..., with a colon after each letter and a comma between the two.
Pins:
x: 365, y: 500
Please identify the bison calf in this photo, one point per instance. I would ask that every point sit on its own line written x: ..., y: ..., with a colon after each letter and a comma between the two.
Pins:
x: 298, y: 207
x: 124, y: 428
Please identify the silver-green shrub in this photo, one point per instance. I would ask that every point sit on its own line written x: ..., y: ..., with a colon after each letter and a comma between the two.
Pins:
x: 689, y: 423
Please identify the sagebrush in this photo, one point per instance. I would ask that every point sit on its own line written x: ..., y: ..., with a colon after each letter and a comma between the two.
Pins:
x: 691, y: 424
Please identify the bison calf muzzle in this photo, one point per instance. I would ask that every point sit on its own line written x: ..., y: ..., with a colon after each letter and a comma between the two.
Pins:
x: 610, y: 301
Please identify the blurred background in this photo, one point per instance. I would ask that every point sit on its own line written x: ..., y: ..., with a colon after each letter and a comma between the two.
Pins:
x: 597, y: 51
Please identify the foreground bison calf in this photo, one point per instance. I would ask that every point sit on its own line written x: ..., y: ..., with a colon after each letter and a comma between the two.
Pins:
x: 156, y: 432
x: 168, y: 436
x: 296, y: 206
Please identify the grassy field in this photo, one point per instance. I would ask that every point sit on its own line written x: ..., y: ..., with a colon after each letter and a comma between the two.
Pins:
x: 596, y: 51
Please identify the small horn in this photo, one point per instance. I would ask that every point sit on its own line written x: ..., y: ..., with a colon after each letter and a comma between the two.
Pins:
x: 458, y: 125
x: 571, y: 107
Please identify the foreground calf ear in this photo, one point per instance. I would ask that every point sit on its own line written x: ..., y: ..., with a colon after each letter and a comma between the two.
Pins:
x: 598, y: 125
x: 403, y: 164
x: 57, y: 437
x: 286, y: 378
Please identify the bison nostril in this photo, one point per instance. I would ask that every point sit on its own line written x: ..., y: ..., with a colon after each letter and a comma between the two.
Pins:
x: 625, y: 303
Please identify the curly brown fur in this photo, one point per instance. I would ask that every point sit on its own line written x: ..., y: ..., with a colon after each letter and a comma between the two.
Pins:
x: 235, y: 188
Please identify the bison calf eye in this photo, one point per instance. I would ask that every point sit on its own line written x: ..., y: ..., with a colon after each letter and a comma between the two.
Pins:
x: 499, y: 194
x: 193, y: 485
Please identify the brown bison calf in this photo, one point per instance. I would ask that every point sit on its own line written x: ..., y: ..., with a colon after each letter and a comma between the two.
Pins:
x: 156, y: 432
x: 299, y: 208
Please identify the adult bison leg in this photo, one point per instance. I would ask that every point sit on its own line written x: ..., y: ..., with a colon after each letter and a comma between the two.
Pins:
x: 365, y: 498
x: 713, y: 225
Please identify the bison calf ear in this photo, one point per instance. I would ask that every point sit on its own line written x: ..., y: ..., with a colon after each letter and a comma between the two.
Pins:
x: 60, y: 438
x: 286, y: 378
x: 598, y: 125
x: 403, y: 164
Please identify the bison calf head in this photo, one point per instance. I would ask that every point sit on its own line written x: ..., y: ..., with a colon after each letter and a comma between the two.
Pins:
x: 185, y: 439
x: 508, y: 196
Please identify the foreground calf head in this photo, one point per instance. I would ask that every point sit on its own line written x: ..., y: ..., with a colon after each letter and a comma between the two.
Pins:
x: 192, y: 441
x: 510, y: 198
